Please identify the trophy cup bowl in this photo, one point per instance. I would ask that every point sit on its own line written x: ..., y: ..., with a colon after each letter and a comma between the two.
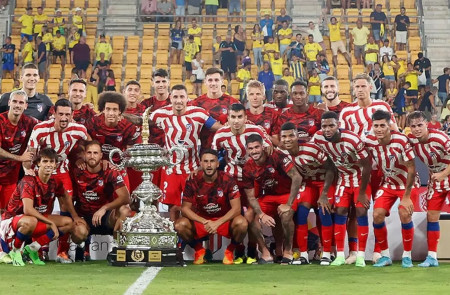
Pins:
x: 146, y: 239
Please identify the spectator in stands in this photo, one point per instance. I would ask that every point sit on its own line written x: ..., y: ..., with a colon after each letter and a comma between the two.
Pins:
x: 287, y: 76
x: 434, y: 123
x: 267, y: 78
x: 377, y: 76
x: 427, y: 103
x: 258, y: 41
x: 358, y: 37
x: 445, y: 116
x: 443, y: 87
x: 197, y: 70
x: 401, y: 25
x: 386, y: 50
x: 246, y: 56
x: 336, y: 41
x: 311, y: 50
x: 323, y: 66
x: 315, y: 31
x: 423, y: 64
x: 269, y: 49
x: 234, y: 8
x: 216, y: 50
x: 47, y: 38
x: 27, y: 51
x: 58, y: 22
x: 165, y: 11
x: 283, y: 17
x: 8, y: 58
x: 276, y: 64
x: 40, y: 19
x: 79, y: 20
x: 103, y: 66
x: 378, y: 20
x: 194, y: 8
x: 196, y: 31
x: 92, y: 90
x: 243, y: 76
x: 411, y: 76
x: 365, y: 4
x: 315, y: 96
x: 41, y: 57
x: 211, y: 7
x: 180, y: 9
x: 110, y: 84
x: 148, y: 7
x: 27, y: 21
x: 266, y: 25
x: 176, y: 44
x: 190, y: 49
x: 345, y: 4
x: 73, y: 39
x: 399, y: 106
x: 3, y: 4
x: 239, y: 39
x: 82, y: 57
x: 296, y: 67
x: 371, y: 52
x: 59, y: 48
x: 285, y: 36
x: 296, y: 48
x: 104, y: 47
x: 391, y: 93
x: 388, y: 68
x: 228, y: 57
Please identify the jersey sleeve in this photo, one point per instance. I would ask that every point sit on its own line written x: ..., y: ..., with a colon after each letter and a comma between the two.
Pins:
x: 115, y: 178
x: 247, y: 177
x: 408, y: 151
x: 189, y: 191
x: 284, y: 162
x: 233, y: 189
x: 33, y: 141
x: 26, y: 187
x: 361, y: 150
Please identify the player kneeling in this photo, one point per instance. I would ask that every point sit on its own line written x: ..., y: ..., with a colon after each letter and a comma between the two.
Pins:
x: 28, y: 214
x: 211, y: 205
x: 101, y: 196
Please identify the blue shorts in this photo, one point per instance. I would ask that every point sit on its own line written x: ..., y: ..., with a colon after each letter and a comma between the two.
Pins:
x: 234, y: 6
x: 211, y: 9
x: 390, y: 78
x: 315, y: 98
x: 412, y: 92
x: 30, y: 37
x: 376, y: 35
x: 8, y: 66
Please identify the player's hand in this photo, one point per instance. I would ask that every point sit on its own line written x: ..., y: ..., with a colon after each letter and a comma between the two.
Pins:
x: 324, y: 204
x: 211, y: 226
x: 78, y: 220
x: 27, y: 156
x: 364, y: 200
x: 29, y: 172
x: 408, y: 205
x: 283, y: 208
x: 81, y: 164
x: 97, y: 218
x: 267, y: 220
x: 322, y: 106
x: 55, y: 230
x: 438, y: 177
x: 193, y: 174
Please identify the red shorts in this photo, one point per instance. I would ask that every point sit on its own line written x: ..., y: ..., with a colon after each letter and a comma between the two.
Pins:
x: 310, y: 192
x: 269, y: 204
x: 435, y: 200
x: 386, y: 197
x: 223, y: 230
x: 172, y: 187
x: 345, y: 196
x: 6, y: 191
x: 376, y: 177
x: 66, y: 181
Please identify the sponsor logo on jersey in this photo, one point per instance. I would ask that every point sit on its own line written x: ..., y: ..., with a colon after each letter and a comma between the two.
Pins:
x: 90, y: 196
x: 212, y: 208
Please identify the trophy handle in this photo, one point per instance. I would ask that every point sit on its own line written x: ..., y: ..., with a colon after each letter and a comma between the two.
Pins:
x: 121, y: 164
x: 177, y: 149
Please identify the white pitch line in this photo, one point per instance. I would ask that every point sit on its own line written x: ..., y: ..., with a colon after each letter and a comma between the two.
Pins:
x: 143, y: 281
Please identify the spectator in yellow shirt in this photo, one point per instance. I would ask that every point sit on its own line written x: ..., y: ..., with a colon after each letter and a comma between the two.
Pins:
x: 371, y: 52
x: 59, y: 48
x: 27, y: 22
x: 73, y: 39
x: 284, y: 35
x: 314, y: 87
x: 358, y: 37
x: 277, y: 65
x: 311, y: 50
x: 269, y: 49
x: 78, y: 20
x: 216, y: 50
x: 243, y: 76
x: 190, y: 49
x: 336, y: 41
x: 40, y: 20
x: 258, y: 38
x: 58, y: 22
x: 287, y: 76
x: 412, y: 76
x: 196, y: 31
x: 47, y: 38
x: 103, y: 47
x: 27, y: 51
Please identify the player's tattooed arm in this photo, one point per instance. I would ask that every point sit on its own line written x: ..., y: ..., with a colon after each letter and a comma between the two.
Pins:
x: 295, y: 186
x: 263, y: 217
x: 330, y: 173
x: 365, y: 176
x: 136, y: 120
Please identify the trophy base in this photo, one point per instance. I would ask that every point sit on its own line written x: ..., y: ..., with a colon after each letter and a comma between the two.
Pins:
x: 128, y: 256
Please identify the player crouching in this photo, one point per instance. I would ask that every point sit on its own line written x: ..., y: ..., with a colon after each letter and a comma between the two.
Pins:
x: 211, y: 205
x: 28, y: 214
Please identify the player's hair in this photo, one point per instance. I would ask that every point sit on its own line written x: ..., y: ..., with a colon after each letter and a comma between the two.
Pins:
x: 255, y: 84
x: 381, y: 115
x: 330, y: 115
x: 160, y: 73
x: 212, y: 71
x: 299, y: 83
x: 236, y: 107
x: 92, y: 142
x: 281, y: 82
x: 288, y: 126
x: 29, y: 65
x: 19, y: 93
x: 209, y: 151
x: 112, y: 97
x: 47, y: 153
x: 63, y: 103
x: 73, y: 81
x: 133, y: 82
x: 331, y: 78
x: 416, y: 115
x: 254, y: 138
x: 363, y: 76
x: 179, y: 87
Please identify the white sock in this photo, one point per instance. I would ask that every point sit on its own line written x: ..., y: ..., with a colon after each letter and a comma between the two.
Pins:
x: 326, y: 255
x: 35, y: 246
x: 361, y: 254
x: 432, y: 254
x: 386, y: 253
x: 352, y: 253
x: 304, y: 255
x: 406, y: 254
x: 340, y: 254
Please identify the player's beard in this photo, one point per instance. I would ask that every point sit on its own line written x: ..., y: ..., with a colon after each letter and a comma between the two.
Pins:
x: 93, y: 163
x: 336, y: 94
x: 209, y: 172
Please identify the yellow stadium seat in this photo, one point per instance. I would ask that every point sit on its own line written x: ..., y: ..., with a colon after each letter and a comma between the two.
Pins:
x: 65, y: 85
x: 118, y: 42
x: 79, y: 3
x: 148, y: 43
x: 222, y: 15
x: 352, y: 15
x: 130, y: 72
x: 357, y: 69
x: 207, y: 56
x: 133, y: 43
x: 394, y: 12
x: 92, y: 15
x: 149, y: 29
x: 382, y: 2
x: 162, y: 58
x: 146, y: 88
x: 53, y: 97
x: 54, y: 72
x: 40, y: 86
x: 341, y: 59
x: 413, y: 17
x: 402, y: 54
x: 279, y: 4
x: 93, y: 3
x: 7, y: 85
x: 16, y: 41
x: 53, y: 86
x: 176, y: 72
x: 346, y: 97
x: 234, y: 87
x: 146, y: 71
x: 251, y: 15
x: 189, y: 87
x: 163, y: 43
x: 365, y: 12
x: 394, y: 4
x: 265, y: 4
x: 344, y: 87
x: 49, y: 11
x: 147, y: 58
x: 251, y: 4
x: 64, y: 4
x: 414, y: 43
x: 22, y: 3
x: 132, y: 58
x: 342, y: 72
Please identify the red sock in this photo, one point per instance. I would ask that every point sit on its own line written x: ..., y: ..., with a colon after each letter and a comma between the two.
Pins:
x: 63, y: 244
x: 339, y: 235
x: 302, y: 237
x: 380, y: 232
x: 408, y: 238
x: 352, y: 244
x: 39, y: 230
x: 363, y: 232
x: 231, y: 247
x: 43, y: 239
x: 433, y: 240
x: 19, y: 239
x: 198, y: 246
x: 377, y: 248
x: 327, y: 237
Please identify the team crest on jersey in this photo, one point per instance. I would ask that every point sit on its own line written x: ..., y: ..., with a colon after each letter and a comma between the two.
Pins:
x: 433, y: 155
x: 119, y: 138
x: 66, y: 143
x: 188, y: 127
x: 220, y: 193
x: 23, y: 133
x: 100, y: 182
x: 271, y: 170
x: 39, y: 107
x: 119, y: 178
x: 224, y: 111
x: 311, y: 122
x: 266, y: 124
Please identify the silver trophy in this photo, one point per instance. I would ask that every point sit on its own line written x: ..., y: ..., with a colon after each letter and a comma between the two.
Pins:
x: 146, y: 238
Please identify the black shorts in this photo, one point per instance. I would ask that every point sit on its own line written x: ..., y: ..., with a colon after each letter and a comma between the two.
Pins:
x: 188, y: 66
x: 228, y: 66
x: 59, y: 53
x: 412, y: 92
x: 103, y: 228
x: 82, y: 65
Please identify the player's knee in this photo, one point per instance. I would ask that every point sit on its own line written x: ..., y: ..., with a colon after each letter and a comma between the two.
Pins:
x: 378, y: 216
x: 361, y: 212
x: 27, y: 224
x: 405, y: 217
x: 240, y: 223
x: 433, y: 216
x: 80, y: 233
x: 182, y: 225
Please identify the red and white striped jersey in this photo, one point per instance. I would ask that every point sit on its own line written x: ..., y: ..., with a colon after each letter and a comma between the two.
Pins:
x: 390, y: 159
x: 359, y: 120
x: 345, y: 154
x: 44, y: 135
x: 309, y: 161
x: 183, y: 131
x: 234, y: 145
x: 435, y: 153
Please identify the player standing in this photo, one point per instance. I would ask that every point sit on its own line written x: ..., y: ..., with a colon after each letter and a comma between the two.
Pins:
x: 432, y: 147
x: 394, y: 156
x: 350, y: 157
x: 330, y: 92
x: 132, y: 93
x: 211, y: 205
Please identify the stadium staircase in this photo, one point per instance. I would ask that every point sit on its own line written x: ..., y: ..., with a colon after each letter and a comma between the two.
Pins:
x: 311, y: 9
x: 436, y: 16
x: 120, y: 17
